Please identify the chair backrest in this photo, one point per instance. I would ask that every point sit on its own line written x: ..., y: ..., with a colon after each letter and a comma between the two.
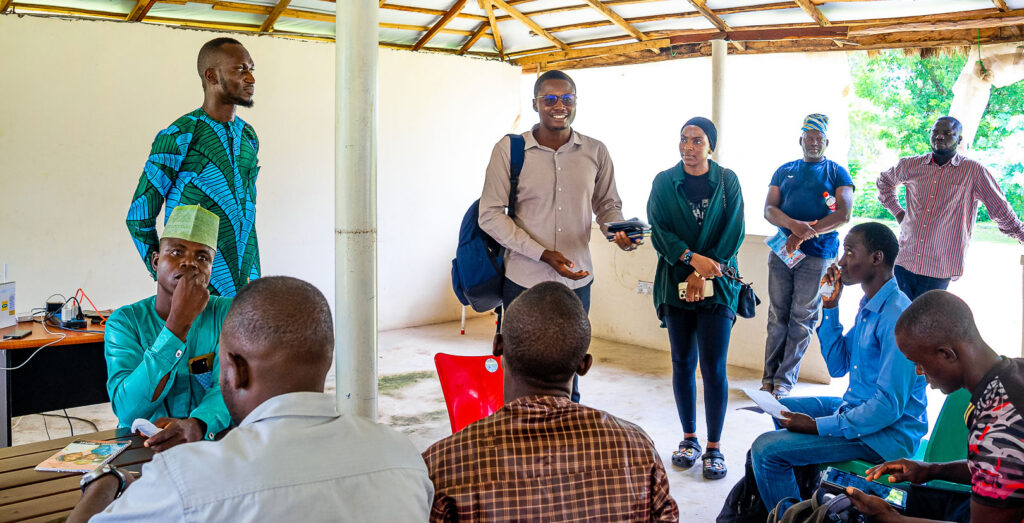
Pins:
x: 948, y: 441
x: 473, y: 387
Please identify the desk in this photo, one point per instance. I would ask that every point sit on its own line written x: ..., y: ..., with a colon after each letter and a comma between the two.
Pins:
x: 27, y: 495
x: 69, y: 373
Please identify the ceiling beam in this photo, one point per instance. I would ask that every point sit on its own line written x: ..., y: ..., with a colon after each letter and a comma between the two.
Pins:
x: 1001, y: 4
x: 701, y: 6
x: 477, y: 33
x: 5, y: 4
x: 140, y: 10
x: 514, y: 13
x: 614, y: 18
x: 939, y: 26
x: 489, y: 9
x: 593, y: 51
x: 422, y: 28
x: 429, y: 11
x: 813, y: 11
x: 268, y: 24
x: 443, y: 21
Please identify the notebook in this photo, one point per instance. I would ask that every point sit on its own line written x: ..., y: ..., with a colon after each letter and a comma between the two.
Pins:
x: 83, y: 456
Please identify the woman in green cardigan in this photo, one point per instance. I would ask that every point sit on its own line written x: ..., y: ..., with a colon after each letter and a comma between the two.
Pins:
x: 696, y: 214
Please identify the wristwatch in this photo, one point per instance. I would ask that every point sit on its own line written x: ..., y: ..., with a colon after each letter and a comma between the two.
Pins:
x: 687, y: 257
x: 98, y: 473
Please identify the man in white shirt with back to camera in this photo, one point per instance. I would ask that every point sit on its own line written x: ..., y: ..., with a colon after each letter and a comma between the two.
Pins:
x: 292, y: 456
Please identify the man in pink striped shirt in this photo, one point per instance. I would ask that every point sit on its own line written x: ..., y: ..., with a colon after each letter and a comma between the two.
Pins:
x: 943, y: 191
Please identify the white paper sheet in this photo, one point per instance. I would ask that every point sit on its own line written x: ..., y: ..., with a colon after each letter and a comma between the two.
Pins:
x: 766, y: 401
x: 144, y: 426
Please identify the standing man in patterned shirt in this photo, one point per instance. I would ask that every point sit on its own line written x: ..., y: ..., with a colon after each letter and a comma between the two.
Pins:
x: 208, y: 157
x: 542, y: 457
x: 943, y: 191
x: 938, y: 333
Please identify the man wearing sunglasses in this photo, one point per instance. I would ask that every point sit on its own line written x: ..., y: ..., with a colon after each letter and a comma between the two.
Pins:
x: 566, y: 179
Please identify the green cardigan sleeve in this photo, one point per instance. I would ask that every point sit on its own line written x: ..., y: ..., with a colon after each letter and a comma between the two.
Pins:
x: 659, y: 211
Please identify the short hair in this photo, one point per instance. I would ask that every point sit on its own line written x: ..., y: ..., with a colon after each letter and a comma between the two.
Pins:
x: 552, y: 75
x: 936, y: 317
x: 546, y: 333
x: 956, y: 123
x: 282, y: 313
x: 209, y: 49
x: 878, y: 237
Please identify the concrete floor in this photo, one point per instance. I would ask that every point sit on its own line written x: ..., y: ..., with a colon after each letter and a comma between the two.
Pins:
x: 630, y: 382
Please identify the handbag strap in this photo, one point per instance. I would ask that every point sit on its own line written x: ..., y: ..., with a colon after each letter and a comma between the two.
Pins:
x: 517, y: 151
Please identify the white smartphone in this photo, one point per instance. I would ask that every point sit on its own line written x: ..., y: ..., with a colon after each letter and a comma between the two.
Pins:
x: 709, y: 289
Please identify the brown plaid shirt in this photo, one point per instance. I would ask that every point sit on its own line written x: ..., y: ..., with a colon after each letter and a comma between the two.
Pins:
x: 545, y: 458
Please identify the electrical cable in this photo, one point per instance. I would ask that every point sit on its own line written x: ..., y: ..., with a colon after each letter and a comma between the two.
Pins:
x: 47, y: 429
x: 70, y: 426
x: 95, y: 427
x: 48, y: 331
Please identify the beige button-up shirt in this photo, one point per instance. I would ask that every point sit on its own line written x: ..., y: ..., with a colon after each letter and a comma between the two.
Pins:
x: 559, y: 193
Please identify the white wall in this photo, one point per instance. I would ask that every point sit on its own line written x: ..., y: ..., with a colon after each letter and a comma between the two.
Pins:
x: 80, y: 103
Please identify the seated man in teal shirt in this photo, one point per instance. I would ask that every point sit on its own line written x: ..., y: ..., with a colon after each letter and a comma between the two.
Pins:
x: 161, y: 352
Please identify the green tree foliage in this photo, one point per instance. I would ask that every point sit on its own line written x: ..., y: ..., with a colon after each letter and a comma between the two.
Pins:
x: 898, y: 99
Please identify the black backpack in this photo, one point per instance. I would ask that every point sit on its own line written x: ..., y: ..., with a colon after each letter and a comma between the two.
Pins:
x: 478, y: 270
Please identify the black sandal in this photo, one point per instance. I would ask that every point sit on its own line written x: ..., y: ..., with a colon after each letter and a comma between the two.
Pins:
x: 714, y: 464
x: 686, y: 456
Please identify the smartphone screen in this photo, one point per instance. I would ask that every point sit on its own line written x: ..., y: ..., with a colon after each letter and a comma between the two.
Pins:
x: 839, y: 480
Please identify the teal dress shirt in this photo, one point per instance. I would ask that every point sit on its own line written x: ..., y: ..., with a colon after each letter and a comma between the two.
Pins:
x: 885, y: 404
x: 140, y: 351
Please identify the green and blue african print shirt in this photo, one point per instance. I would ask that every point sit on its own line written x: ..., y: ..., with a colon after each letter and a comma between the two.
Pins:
x: 199, y: 160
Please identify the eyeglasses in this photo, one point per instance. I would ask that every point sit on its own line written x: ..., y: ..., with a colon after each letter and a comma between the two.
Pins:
x: 550, y: 100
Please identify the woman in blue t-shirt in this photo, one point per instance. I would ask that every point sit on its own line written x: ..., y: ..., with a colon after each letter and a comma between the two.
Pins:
x: 808, y: 199
x: 696, y: 214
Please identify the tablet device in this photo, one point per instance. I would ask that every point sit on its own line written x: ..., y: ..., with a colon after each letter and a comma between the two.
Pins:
x: 836, y: 480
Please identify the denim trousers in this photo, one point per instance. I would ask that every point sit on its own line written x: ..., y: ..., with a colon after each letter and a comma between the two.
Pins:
x: 511, y: 290
x: 914, y: 285
x: 699, y: 336
x: 793, y: 310
x: 774, y: 454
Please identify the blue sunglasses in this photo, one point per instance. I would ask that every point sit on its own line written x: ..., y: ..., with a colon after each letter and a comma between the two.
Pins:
x: 550, y: 100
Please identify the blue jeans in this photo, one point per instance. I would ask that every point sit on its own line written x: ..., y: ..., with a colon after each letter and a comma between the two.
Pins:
x: 914, y: 285
x: 774, y: 454
x: 512, y: 290
x: 794, y: 302
x: 693, y: 333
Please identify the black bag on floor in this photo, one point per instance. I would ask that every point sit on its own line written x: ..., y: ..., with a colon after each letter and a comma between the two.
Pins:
x: 744, y: 503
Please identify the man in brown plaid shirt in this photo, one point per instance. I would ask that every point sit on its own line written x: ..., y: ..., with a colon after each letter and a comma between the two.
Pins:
x: 542, y: 457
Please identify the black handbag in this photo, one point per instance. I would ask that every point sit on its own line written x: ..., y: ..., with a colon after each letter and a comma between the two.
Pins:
x: 748, y: 302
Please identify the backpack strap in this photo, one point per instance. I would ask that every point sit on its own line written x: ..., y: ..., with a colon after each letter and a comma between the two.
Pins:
x: 517, y: 150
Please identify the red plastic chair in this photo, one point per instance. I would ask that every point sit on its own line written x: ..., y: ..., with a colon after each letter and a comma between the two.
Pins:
x: 473, y: 387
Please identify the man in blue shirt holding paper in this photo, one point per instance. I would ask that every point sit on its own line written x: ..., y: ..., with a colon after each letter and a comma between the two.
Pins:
x: 808, y: 199
x: 882, y: 415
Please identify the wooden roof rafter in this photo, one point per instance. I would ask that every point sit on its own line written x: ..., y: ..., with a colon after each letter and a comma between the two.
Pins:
x: 5, y: 5
x: 514, y: 13
x: 138, y: 12
x: 275, y: 14
x: 701, y: 6
x: 443, y: 21
x: 614, y: 18
x: 493, y: 22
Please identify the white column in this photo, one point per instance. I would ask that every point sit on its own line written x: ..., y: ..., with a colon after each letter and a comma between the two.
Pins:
x: 718, y: 53
x: 355, y: 208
